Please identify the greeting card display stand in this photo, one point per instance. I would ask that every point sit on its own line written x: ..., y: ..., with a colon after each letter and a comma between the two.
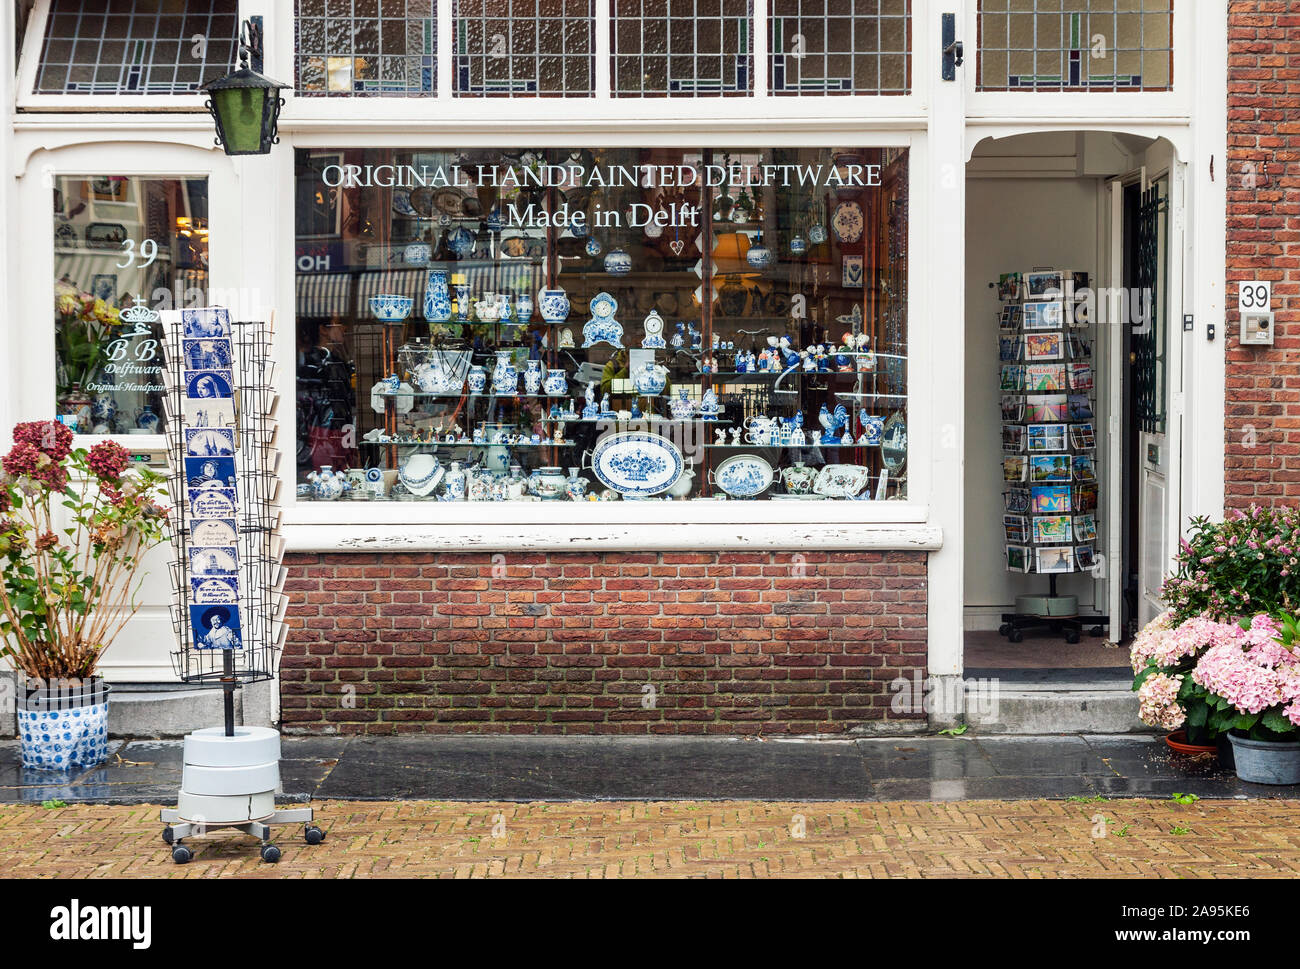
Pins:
x: 1049, y: 446
x: 227, y: 576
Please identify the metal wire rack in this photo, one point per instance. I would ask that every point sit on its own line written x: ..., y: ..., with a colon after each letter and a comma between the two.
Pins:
x: 260, y: 547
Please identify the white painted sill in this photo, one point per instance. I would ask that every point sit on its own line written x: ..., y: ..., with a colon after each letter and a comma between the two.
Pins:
x: 614, y: 527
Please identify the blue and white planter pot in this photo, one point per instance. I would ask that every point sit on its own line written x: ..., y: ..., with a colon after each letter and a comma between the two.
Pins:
x: 64, y: 729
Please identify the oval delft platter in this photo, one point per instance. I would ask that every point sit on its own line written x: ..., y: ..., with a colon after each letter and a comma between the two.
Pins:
x: 637, y: 463
x: 744, y: 476
x: 841, y: 480
x: 847, y: 222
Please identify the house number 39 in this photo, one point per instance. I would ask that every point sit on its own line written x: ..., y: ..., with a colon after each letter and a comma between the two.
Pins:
x: 148, y: 253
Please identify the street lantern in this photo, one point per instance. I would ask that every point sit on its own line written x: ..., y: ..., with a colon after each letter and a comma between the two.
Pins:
x: 246, y: 105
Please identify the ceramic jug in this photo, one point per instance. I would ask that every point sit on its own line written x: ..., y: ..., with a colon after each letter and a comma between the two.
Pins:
x: 437, y: 297
x: 554, y: 305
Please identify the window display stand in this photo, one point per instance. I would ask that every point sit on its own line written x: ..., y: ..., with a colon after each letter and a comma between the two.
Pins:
x: 231, y: 773
x: 1048, y: 446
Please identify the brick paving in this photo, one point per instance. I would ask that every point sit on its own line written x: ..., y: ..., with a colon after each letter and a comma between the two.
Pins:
x: 729, y: 839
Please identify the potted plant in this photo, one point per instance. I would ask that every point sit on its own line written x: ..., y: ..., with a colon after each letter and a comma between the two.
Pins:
x: 1253, y: 687
x: 1240, y: 567
x: 74, y: 527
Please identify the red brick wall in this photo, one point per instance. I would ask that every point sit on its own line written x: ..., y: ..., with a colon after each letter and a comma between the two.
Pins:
x: 1263, y: 385
x: 566, y: 643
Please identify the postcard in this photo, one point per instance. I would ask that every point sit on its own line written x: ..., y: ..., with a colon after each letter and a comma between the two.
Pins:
x: 1013, y: 438
x: 209, y: 442
x: 213, y: 531
x: 1018, y: 557
x: 1084, y: 468
x: 1080, y: 376
x: 208, y: 412
x: 1083, y: 557
x: 207, y: 354
x: 215, y: 626
x: 1080, y: 407
x: 209, y: 473
x: 1044, y: 316
x: 1051, y: 529
x: 206, y: 323
x: 1044, y: 284
x: 1013, y: 407
x: 211, y: 561
x: 211, y: 502
x: 1047, y: 407
x: 212, y: 590
x: 1046, y: 437
x: 208, y: 384
x: 1043, y: 346
x: 1016, y: 500
x: 1043, y: 378
x: 1049, y: 468
x: 1085, y: 528
x: 1013, y: 469
x: 1055, y: 559
x: 1016, y: 528
x: 1084, y: 497
x: 1082, y: 437
x: 1009, y: 285
x: 1008, y: 349
x: 1013, y: 378
x: 1051, y: 500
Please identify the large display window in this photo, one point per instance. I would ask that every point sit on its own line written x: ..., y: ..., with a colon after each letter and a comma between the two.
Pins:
x: 602, y: 324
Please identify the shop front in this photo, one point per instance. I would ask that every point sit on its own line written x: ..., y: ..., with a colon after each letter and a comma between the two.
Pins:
x: 627, y: 385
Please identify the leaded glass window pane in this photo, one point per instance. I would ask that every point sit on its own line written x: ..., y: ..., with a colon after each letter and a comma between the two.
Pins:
x: 136, y: 46
x: 1075, y: 45
x: 821, y: 47
x: 681, y: 48
x: 525, y: 48
x: 366, y: 47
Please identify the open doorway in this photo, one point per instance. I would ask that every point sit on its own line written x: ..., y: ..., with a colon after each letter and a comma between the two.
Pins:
x: 1077, y: 531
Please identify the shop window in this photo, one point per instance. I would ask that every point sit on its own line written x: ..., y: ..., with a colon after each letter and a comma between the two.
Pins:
x: 366, y: 47
x: 618, y: 324
x: 1075, y: 45
x: 821, y: 47
x: 681, y: 48
x: 125, y: 247
x: 135, y: 46
x: 525, y: 48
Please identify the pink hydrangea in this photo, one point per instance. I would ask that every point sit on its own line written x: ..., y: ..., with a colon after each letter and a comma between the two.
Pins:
x: 1190, y: 638
x: 1252, y: 671
x: 1149, y: 640
x: 1158, y: 704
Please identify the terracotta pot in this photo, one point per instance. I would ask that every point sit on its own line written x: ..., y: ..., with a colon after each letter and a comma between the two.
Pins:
x: 1177, y: 742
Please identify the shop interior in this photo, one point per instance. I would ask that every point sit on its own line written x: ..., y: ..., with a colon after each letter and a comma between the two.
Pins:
x: 1038, y: 204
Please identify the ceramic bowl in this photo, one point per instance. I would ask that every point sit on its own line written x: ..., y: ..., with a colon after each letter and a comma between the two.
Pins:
x: 391, y: 307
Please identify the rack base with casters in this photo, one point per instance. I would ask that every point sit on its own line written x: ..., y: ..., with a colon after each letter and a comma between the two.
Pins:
x: 178, y: 829
x: 229, y: 780
x: 1014, y: 625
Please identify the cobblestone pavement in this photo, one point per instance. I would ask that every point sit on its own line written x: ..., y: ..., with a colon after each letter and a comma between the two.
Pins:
x: 368, y: 839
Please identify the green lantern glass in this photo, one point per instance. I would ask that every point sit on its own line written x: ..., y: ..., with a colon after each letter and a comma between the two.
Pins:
x: 246, y: 107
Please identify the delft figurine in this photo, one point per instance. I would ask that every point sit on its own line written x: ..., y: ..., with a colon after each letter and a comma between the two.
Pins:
x: 591, y: 411
x: 636, y: 411
x: 605, y: 409
x: 679, y: 338
x: 709, y: 405
x: 533, y: 377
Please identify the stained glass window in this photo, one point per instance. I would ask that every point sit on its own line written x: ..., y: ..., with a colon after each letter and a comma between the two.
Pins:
x: 366, y: 47
x: 135, y: 46
x: 1075, y: 45
x: 681, y: 48
x: 525, y: 48
x: 823, y: 47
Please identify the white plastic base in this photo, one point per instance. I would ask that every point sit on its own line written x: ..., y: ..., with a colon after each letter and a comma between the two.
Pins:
x: 209, y: 809
x: 1061, y: 607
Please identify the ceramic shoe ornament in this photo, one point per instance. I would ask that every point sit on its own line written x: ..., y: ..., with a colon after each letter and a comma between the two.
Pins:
x: 602, y: 327
x: 654, y: 331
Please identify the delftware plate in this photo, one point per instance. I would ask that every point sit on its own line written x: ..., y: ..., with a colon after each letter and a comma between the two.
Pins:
x: 841, y: 480
x: 744, y: 476
x: 635, y: 463
x: 847, y: 222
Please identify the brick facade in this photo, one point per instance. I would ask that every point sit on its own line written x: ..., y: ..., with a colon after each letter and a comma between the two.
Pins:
x: 1262, y: 459
x: 744, y: 643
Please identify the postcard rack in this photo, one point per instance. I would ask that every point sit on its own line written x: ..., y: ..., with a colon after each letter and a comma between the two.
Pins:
x: 257, y: 605
x: 1049, y: 444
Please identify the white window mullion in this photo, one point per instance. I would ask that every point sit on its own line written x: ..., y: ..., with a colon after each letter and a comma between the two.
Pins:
x: 759, y: 33
x: 603, y: 52
x: 446, y: 49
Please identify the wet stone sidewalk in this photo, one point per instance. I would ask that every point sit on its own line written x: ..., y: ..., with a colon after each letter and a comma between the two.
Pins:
x: 667, y: 769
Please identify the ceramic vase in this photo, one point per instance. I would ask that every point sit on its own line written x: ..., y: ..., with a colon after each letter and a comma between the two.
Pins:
x: 477, y: 380
x: 533, y: 377
x: 437, y: 297
x: 505, y: 378
x: 556, y: 385
x: 523, y: 307
x: 554, y: 305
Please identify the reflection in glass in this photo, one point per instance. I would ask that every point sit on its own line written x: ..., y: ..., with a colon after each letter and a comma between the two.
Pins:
x: 629, y: 323
x: 124, y: 248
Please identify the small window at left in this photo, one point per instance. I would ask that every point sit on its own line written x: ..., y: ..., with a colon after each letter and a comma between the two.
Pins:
x: 135, y: 46
x: 125, y: 247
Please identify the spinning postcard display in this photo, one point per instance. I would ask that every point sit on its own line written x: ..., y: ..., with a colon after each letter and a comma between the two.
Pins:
x: 1049, y: 439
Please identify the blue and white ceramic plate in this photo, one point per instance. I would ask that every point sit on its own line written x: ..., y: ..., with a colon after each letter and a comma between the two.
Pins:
x: 637, y: 463
x: 847, y: 222
x: 744, y: 476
